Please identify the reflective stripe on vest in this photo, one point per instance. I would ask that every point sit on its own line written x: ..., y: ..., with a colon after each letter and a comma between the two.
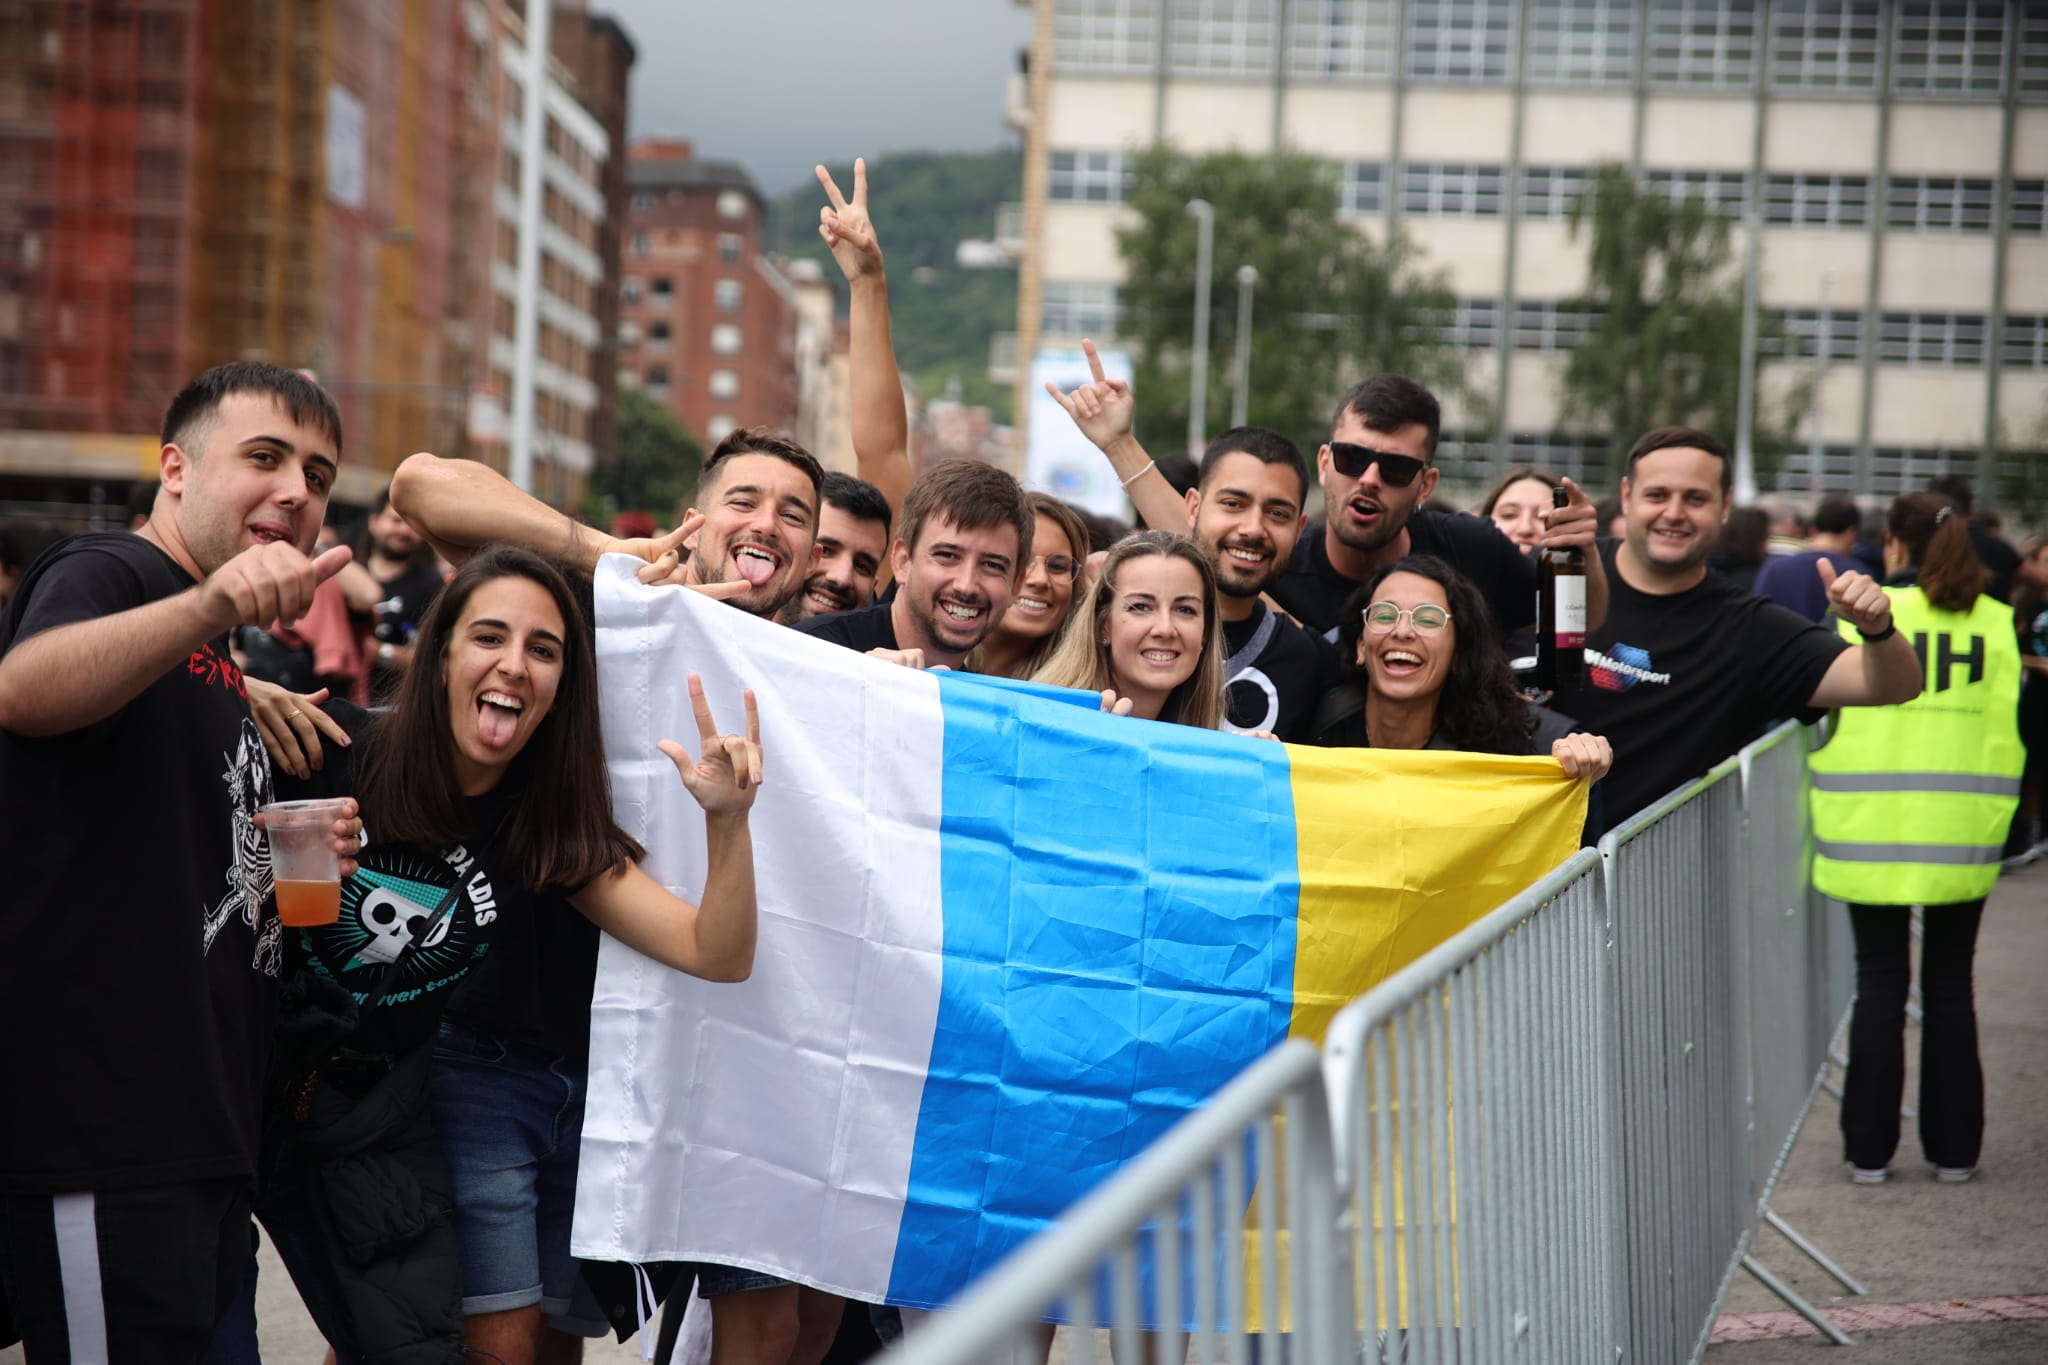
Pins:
x: 1944, y: 855
x: 1969, y: 783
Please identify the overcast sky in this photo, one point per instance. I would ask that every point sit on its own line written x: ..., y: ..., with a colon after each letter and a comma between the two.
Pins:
x: 779, y: 85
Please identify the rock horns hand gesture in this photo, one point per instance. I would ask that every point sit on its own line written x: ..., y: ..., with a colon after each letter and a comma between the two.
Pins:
x: 727, y: 775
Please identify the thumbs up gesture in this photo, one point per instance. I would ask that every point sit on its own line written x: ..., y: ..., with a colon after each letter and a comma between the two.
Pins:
x: 1856, y: 598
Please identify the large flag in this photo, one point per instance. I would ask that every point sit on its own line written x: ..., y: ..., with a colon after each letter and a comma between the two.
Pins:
x: 1006, y: 942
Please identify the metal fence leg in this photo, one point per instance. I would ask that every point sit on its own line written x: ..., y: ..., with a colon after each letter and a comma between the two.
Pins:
x: 1795, y: 1303
x: 1819, y: 1257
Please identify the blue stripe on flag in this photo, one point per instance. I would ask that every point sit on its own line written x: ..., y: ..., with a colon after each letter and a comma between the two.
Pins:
x: 1119, y: 901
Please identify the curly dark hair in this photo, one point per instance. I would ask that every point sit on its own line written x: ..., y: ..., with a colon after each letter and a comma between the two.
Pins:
x: 1479, y: 711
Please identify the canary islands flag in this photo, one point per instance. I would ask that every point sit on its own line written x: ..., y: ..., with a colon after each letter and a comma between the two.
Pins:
x: 1006, y: 942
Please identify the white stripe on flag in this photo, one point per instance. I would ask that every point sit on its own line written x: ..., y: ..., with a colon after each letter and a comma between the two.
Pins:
x: 846, y: 977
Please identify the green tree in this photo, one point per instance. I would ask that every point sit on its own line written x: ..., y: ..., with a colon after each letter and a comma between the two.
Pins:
x: 1667, y: 350
x: 655, y: 466
x: 1331, y: 304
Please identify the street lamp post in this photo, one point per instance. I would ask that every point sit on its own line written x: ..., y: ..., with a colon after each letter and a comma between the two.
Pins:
x: 1198, y: 384
x: 1240, y: 395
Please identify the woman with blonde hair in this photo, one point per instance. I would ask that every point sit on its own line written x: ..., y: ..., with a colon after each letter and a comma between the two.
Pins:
x: 1148, y: 631
x: 1024, y: 639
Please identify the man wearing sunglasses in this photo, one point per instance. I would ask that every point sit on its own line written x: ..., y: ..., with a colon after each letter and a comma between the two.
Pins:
x: 1377, y: 471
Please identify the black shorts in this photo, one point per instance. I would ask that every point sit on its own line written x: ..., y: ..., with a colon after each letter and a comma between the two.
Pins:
x: 136, y: 1274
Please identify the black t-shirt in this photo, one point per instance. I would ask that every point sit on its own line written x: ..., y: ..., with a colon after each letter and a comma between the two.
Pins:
x: 397, y: 615
x: 1314, y: 592
x: 1677, y: 683
x: 1999, y: 557
x: 139, y: 944
x: 453, y: 899
x: 1275, y: 689
x: 862, y: 629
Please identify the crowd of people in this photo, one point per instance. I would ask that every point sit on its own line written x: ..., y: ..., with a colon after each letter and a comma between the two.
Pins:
x: 396, y: 1098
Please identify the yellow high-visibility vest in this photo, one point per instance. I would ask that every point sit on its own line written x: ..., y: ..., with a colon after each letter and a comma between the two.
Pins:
x: 1911, y: 803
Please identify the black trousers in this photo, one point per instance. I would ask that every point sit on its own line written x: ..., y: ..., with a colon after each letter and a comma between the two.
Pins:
x: 1951, y: 1078
x: 137, y: 1274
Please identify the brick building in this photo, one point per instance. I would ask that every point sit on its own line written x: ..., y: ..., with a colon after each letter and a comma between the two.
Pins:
x: 707, y: 326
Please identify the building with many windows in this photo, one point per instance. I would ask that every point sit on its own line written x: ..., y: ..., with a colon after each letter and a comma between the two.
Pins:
x: 1892, y: 158
x: 707, y: 326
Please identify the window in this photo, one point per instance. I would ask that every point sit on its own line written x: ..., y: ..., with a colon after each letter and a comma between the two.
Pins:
x: 730, y: 247
x: 2028, y: 202
x: 1107, y: 37
x: 1931, y: 339
x: 1340, y: 39
x: 1824, y: 334
x: 2034, y: 51
x: 1550, y: 191
x: 639, y: 244
x: 629, y: 335
x: 732, y: 203
x: 662, y: 287
x: 1581, y: 42
x: 1825, y: 44
x: 627, y: 379
x: 1474, y: 323
x: 725, y: 384
x: 1460, y: 40
x: 657, y: 379
x: 1433, y: 187
x: 1929, y: 203
x: 719, y: 427
x: 1553, y: 326
x: 725, y: 339
x: 1948, y: 47
x: 1724, y: 191
x: 726, y: 295
x: 1076, y: 308
x: 1702, y: 42
x: 1833, y: 201
x: 1582, y: 458
x: 629, y: 289
x: 1086, y: 177
x: 2025, y: 344
x: 658, y: 337
x: 1362, y: 187
x: 643, y: 200
x: 1221, y: 37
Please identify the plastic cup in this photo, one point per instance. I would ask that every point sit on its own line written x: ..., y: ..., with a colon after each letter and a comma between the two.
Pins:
x: 304, y: 867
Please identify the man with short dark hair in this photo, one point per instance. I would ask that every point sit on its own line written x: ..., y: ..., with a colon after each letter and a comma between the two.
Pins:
x: 1687, y: 667
x: 853, y: 537
x: 131, y: 773
x: 960, y: 552
x: 1792, y: 581
x: 389, y: 588
x: 1377, y: 470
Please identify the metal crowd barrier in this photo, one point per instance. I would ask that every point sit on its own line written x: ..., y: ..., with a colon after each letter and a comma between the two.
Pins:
x: 1552, y: 1138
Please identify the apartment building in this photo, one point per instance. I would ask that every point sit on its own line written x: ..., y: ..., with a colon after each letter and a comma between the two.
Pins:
x: 1892, y: 159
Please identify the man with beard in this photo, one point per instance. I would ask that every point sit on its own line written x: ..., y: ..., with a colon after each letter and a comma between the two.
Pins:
x: 957, y: 561
x: 853, y: 535
x: 753, y: 544
x: 1377, y: 471
x: 1688, y: 668
x: 390, y: 586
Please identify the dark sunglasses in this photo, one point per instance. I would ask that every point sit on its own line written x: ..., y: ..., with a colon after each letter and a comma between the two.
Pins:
x: 1396, y: 471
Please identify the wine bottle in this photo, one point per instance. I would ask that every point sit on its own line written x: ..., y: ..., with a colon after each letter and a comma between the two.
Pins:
x: 1560, y: 614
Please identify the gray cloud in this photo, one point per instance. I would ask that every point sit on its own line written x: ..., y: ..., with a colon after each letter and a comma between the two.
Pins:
x: 780, y: 85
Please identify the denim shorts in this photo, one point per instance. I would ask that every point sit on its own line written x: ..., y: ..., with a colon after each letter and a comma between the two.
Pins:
x: 510, y: 1119
x: 713, y: 1280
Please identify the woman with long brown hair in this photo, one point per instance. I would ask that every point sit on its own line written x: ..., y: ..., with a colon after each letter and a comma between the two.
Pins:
x: 1148, y: 631
x: 1911, y: 804
x: 1024, y: 638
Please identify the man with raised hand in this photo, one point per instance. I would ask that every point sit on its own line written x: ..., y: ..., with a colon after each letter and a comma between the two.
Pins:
x: 1688, y: 668
x: 879, y: 424
x: 1246, y: 508
x: 139, y: 946
x: 750, y: 539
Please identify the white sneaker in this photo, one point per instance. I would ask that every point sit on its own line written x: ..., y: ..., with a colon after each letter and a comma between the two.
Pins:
x: 1867, y: 1177
x: 1954, y: 1175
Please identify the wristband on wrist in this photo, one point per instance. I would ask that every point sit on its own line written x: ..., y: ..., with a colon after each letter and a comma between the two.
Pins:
x: 1891, y: 628
x: 1149, y: 464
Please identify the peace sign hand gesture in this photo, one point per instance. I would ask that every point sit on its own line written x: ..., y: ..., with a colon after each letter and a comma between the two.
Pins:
x: 726, y: 778
x: 846, y: 227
